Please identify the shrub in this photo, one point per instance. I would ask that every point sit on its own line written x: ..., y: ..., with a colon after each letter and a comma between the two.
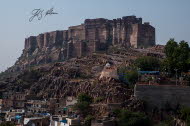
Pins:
x: 98, y: 99
x: 128, y: 76
x: 84, y: 98
x: 81, y: 106
x: 185, y: 115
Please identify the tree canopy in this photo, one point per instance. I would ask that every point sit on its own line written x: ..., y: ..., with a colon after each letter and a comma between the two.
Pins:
x: 177, y: 56
x: 128, y: 118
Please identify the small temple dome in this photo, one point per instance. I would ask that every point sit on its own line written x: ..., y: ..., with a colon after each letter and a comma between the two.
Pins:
x: 109, y: 72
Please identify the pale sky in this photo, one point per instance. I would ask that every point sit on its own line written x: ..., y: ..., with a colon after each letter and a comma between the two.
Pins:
x: 171, y: 18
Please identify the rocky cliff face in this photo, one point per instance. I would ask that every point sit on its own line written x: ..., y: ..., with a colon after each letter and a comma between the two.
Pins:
x: 82, y: 40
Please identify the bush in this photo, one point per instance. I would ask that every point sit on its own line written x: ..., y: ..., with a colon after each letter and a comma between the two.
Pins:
x: 128, y: 76
x: 87, y: 120
x: 7, y: 124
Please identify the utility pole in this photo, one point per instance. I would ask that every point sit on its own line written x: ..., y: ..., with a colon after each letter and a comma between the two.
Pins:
x: 176, y: 75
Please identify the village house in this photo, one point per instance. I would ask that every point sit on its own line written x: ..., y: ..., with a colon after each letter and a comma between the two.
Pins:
x: 57, y: 105
x: 14, y: 100
x: 37, y: 121
x: 19, y: 100
x: 7, y: 100
x: 61, y: 106
x: 103, y: 123
x: 65, y: 121
x: 37, y: 105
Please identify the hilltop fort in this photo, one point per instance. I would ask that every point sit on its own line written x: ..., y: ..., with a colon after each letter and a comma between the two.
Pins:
x: 92, y: 36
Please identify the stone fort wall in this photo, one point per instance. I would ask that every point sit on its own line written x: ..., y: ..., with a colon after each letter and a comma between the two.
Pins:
x: 94, y: 35
x: 157, y: 95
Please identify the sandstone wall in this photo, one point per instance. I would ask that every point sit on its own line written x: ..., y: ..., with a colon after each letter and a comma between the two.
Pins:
x: 134, y: 36
x: 158, y: 96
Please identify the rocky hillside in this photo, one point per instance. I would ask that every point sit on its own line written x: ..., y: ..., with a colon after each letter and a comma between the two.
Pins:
x: 81, y: 74
x: 75, y: 76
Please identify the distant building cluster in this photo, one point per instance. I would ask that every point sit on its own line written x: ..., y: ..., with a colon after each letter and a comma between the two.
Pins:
x: 29, y: 110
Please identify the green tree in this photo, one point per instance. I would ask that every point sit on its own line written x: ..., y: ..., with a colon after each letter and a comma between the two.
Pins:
x: 82, y: 107
x: 84, y: 98
x: 177, y: 56
x: 170, y: 48
x: 83, y: 104
x: 127, y: 118
x: 183, y: 56
x: 148, y: 63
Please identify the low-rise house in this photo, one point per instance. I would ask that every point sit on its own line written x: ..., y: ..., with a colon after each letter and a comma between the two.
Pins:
x: 19, y: 100
x: 13, y: 100
x: 37, y: 105
x: 62, y: 106
x: 7, y: 100
x: 15, y: 115
x: 37, y: 121
x: 70, y: 102
x: 66, y: 122
x: 73, y: 121
x: 57, y: 105
x: 56, y: 118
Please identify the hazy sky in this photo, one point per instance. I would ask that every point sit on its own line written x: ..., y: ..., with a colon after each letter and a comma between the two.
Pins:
x: 171, y: 18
